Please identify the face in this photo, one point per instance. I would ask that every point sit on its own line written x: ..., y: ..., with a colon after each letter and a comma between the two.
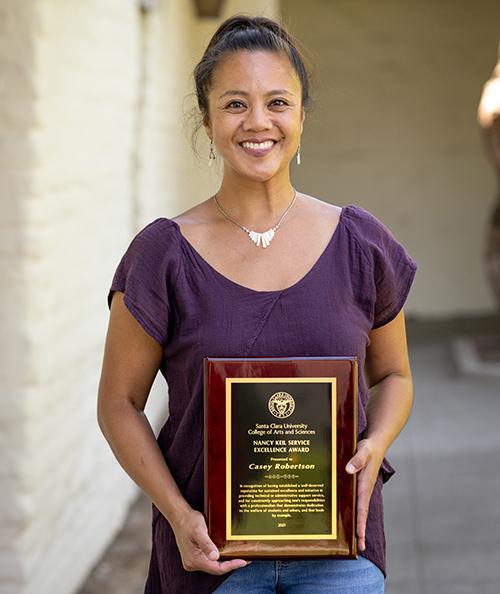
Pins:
x: 255, y: 117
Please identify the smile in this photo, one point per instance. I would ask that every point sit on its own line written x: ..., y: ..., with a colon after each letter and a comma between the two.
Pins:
x: 258, y: 148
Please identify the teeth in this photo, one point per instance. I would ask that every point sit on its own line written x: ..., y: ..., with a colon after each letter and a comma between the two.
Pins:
x: 260, y: 145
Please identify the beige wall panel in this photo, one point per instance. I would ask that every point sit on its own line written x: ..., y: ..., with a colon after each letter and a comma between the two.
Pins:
x: 394, y: 131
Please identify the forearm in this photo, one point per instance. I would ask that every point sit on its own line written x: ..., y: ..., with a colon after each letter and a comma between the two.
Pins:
x: 132, y: 440
x: 388, y: 409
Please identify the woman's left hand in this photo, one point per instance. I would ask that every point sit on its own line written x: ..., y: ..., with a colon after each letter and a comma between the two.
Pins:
x: 366, y: 463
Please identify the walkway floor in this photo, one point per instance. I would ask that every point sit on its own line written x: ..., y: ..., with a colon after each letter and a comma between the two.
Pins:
x: 442, y: 507
x: 442, y: 511
x: 124, y: 566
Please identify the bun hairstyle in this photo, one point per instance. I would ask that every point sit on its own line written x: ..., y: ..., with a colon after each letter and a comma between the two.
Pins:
x: 245, y: 33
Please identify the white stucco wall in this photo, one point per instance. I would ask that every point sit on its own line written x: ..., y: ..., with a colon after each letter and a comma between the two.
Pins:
x: 70, y: 104
x: 394, y: 131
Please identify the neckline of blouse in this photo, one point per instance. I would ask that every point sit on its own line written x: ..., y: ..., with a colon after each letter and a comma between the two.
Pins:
x: 239, y: 286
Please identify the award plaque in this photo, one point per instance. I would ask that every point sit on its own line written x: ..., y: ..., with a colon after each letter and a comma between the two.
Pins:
x: 278, y: 433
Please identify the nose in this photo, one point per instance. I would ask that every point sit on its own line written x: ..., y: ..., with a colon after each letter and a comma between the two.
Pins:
x: 257, y: 118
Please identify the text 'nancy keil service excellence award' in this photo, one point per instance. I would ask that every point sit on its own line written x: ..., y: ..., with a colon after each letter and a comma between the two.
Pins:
x: 278, y: 434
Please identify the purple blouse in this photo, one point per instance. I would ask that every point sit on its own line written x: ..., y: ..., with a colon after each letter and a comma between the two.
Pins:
x: 360, y: 281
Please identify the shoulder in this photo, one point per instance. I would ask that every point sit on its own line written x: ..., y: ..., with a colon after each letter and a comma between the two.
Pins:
x: 362, y: 221
x: 388, y: 261
x: 382, y: 268
x: 319, y: 207
x: 157, y: 237
x: 154, y: 247
x: 144, y: 274
x: 363, y: 228
x: 318, y: 216
x: 199, y: 214
x: 369, y: 232
x: 364, y: 231
x: 156, y: 230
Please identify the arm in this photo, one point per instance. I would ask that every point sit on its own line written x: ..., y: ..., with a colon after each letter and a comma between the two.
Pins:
x: 390, y: 398
x: 131, y: 361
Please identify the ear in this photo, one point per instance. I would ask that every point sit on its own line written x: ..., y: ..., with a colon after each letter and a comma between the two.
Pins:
x: 208, y: 126
x: 302, y: 120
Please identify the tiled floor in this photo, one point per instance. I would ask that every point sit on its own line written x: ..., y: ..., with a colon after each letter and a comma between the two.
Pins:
x: 442, y: 509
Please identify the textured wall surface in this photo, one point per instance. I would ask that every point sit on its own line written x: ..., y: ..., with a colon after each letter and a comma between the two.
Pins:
x: 394, y: 131
x: 17, y: 96
x: 70, y: 80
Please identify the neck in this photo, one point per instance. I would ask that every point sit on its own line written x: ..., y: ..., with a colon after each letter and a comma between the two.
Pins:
x: 255, y: 205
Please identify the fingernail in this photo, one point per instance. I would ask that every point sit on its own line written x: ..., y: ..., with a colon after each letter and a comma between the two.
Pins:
x: 350, y: 468
x: 248, y: 562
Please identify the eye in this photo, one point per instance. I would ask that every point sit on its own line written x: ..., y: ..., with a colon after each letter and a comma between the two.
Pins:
x: 279, y: 103
x: 234, y: 104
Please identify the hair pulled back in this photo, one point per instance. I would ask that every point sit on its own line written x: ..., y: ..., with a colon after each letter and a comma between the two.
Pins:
x: 241, y: 32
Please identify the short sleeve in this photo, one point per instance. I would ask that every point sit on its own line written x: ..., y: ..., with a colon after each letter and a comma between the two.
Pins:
x: 391, y: 268
x: 143, y: 275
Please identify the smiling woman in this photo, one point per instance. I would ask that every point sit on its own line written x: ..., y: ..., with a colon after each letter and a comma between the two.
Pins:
x: 330, y: 281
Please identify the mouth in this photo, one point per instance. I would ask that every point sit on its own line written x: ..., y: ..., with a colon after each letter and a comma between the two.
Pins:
x: 258, y: 149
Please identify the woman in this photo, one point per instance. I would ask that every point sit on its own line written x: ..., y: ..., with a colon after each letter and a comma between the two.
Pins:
x: 259, y: 269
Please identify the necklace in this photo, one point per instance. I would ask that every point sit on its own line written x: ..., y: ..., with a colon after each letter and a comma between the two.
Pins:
x: 266, y: 237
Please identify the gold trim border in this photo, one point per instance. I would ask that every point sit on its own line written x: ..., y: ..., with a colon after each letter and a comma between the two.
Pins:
x: 269, y: 380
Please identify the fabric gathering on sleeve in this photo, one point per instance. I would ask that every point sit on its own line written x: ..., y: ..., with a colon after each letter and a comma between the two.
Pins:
x: 142, y: 275
x: 392, y: 268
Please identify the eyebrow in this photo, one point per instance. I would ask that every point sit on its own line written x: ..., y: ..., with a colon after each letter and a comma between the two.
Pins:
x: 245, y: 94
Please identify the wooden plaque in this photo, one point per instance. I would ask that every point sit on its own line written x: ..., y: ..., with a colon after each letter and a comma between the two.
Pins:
x: 278, y: 433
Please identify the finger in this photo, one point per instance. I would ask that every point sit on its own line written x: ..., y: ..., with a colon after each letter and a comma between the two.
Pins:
x: 207, y: 546
x: 221, y: 567
x: 231, y: 564
x: 361, y: 524
x: 358, y: 461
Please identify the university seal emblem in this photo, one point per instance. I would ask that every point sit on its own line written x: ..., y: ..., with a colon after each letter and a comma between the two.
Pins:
x: 281, y: 405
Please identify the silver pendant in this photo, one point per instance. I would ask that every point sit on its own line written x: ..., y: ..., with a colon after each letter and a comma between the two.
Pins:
x: 262, y: 238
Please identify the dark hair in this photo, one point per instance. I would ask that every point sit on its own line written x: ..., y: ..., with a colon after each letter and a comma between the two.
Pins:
x: 241, y: 32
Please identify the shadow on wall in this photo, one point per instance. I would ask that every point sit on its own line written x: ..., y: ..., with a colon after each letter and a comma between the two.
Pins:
x: 19, y: 247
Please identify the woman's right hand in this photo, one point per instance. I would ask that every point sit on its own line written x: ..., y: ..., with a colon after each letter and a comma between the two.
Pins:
x: 198, y: 552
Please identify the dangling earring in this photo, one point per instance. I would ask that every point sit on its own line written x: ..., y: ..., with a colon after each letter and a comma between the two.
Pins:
x: 211, y: 155
x: 298, y: 155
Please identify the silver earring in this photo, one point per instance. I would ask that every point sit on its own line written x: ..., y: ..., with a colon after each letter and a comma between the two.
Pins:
x: 211, y: 155
x: 298, y: 155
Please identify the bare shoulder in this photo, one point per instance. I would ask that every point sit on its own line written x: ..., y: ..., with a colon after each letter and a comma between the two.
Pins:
x: 319, y: 208
x: 197, y: 214
x: 197, y: 225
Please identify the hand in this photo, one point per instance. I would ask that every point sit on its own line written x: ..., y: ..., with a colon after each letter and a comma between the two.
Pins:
x: 198, y: 552
x: 366, y: 462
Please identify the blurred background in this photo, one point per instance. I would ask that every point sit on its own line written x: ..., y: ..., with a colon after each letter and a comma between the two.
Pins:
x: 95, y: 124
